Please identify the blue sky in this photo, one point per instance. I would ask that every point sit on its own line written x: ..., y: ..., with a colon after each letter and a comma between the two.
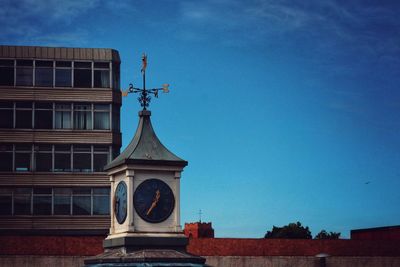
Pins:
x: 286, y: 110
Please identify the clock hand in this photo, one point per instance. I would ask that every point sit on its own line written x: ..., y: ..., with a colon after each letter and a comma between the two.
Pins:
x: 154, y: 204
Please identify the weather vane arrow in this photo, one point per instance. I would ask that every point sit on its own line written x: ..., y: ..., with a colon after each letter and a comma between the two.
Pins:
x: 145, y: 94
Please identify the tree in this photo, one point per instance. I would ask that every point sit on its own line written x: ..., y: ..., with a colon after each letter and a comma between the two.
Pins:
x: 292, y: 231
x: 325, y: 235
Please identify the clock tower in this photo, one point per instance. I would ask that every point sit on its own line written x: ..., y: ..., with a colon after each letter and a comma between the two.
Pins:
x: 145, y: 199
x: 145, y: 189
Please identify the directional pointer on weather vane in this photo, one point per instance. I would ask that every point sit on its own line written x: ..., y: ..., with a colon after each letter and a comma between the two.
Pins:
x: 145, y: 94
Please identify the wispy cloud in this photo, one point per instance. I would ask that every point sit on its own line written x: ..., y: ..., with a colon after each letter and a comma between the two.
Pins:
x: 37, y: 21
x: 52, y: 22
x: 258, y: 20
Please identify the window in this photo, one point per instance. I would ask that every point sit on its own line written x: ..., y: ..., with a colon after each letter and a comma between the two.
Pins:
x: 6, y: 157
x: 101, y: 74
x: 63, y: 74
x: 115, y: 75
x: 24, y: 72
x: 115, y: 152
x: 57, y: 158
x: 55, y: 201
x: 81, y: 201
x: 115, y: 118
x: 22, y: 201
x: 5, y: 201
x: 42, y: 201
x: 101, y: 201
x: 23, y: 115
x: 82, y: 158
x: 102, y: 116
x: 83, y: 74
x: 83, y: 116
x: 23, y: 157
x: 100, y: 157
x: 7, y: 72
x: 43, y: 115
x: 62, y: 201
x: 6, y: 114
x: 43, y: 158
x: 63, y: 116
x: 44, y: 73
x: 62, y: 158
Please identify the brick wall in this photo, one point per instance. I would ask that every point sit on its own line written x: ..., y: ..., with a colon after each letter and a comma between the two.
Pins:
x: 292, y: 247
x: 92, y: 245
x: 51, y: 245
x: 198, y: 230
x: 387, y: 233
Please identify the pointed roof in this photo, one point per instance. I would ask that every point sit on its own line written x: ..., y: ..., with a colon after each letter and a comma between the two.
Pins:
x: 146, y: 148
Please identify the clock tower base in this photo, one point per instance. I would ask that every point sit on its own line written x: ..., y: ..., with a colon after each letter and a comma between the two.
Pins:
x: 149, y: 250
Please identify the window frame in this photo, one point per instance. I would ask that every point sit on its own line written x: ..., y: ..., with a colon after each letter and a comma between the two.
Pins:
x: 113, y: 75
x: 28, y: 194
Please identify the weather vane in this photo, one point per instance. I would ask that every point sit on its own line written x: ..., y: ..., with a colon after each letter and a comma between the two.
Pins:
x: 145, y: 94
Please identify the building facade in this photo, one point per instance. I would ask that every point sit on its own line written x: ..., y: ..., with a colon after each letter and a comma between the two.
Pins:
x: 199, y: 230
x: 59, y: 126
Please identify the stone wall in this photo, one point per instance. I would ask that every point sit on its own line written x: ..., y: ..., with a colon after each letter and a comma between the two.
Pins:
x: 217, y: 261
x: 291, y: 261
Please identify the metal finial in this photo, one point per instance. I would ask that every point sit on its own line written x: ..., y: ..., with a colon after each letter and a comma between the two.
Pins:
x: 145, y: 94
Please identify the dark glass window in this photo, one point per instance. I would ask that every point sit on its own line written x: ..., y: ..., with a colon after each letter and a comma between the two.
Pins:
x: 82, y: 116
x: 100, y: 158
x: 7, y: 72
x: 62, y: 201
x: 23, y: 157
x: 63, y: 74
x: 23, y: 115
x: 43, y: 115
x: 6, y: 157
x: 44, y: 73
x: 63, y: 78
x: 6, y: 114
x: 116, y: 118
x: 115, y: 76
x: 63, y: 116
x: 101, y: 74
x: 115, y: 152
x: 42, y: 201
x: 82, y: 158
x: 83, y: 74
x: 81, y: 204
x: 43, y: 158
x: 22, y: 201
x: 101, y: 201
x: 5, y: 201
x: 102, y: 116
x: 62, y: 158
x: 24, y: 72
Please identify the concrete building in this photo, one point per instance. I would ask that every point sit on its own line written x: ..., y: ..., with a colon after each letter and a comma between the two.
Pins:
x: 60, y: 117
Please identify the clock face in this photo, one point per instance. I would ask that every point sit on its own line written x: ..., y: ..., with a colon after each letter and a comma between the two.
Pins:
x: 120, y: 202
x: 154, y: 201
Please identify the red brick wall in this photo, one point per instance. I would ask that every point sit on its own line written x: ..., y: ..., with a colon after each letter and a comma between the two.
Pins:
x: 291, y: 247
x: 92, y: 245
x: 198, y: 230
x: 51, y: 245
x: 387, y: 233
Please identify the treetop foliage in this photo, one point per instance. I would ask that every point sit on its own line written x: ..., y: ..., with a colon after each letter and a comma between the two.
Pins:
x: 292, y: 231
x: 325, y: 235
x: 297, y: 231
